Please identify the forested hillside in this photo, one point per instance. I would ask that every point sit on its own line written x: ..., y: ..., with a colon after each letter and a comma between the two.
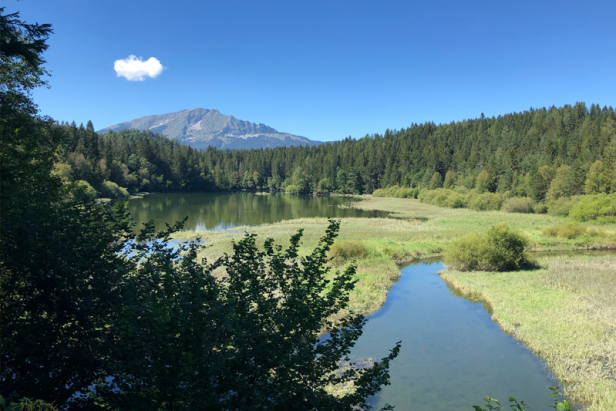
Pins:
x: 520, y: 153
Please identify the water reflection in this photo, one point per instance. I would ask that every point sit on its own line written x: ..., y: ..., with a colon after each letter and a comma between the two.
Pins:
x: 218, y: 211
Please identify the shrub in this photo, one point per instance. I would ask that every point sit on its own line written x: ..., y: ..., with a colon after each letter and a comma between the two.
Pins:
x: 347, y: 250
x: 386, y: 192
x: 571, y: 230
x: 498, y: 249
x: 461, y: 190
x: 82, y: 189
x: 486, y: 202
x: 541, y: 208
x: 293, y: 189
x: 563, y: 206
x: 600, y: 207
x: 441, y: 199
x: 110, y: 189
x: 519, y: 205
x: 405, y: 192
x: 456, y: 200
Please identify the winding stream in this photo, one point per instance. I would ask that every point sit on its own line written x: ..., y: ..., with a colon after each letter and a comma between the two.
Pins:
x: 452, y: 353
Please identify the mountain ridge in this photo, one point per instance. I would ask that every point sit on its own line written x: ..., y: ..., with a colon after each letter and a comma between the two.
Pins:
x: 201, y: 128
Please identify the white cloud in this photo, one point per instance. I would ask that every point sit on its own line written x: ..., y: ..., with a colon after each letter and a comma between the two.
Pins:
x: 135, y: 69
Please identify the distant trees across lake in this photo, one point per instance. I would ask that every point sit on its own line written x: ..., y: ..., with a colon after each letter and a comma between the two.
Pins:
x: 544, y: 153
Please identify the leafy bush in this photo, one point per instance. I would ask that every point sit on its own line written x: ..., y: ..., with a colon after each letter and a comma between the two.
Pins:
x: 110, y: 189
x: 498, y: 249
x: 600, y: 207
x: 405, y: 192
x: 541, y: 208
x: 440, y: 199
x: 83, y: 189
x: 571, y: 230
x: 396, y: 191
x: 293, y: 189
x: 347, y: 250
x: 437, y: 197
x: 563, y: 205
x: 456, y: 200
x: 519, y: 205
x: 385, y: 192
x: 486, y: 202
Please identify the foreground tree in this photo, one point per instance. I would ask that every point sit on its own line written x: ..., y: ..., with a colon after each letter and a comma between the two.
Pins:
x: 251, y: 341
x: 94, y: 315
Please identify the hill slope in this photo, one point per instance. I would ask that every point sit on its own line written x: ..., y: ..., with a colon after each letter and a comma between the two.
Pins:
x: 201, y: 128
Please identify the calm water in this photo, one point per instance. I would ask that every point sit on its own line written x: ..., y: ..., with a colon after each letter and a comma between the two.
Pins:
x: 452, y: 353
x: 216, y: 211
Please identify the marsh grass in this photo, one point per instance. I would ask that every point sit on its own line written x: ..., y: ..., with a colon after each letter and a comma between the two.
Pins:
x: 565, y: 312
x: 572, y: 230
x: 345, y: 251
x: 414, y: 231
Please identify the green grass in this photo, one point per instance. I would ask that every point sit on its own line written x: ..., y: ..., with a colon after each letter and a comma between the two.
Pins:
x: 415, y: 231
x: 564, y: 312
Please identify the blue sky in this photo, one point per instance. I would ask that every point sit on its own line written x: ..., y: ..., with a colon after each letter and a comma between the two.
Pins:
x: 326, y: 69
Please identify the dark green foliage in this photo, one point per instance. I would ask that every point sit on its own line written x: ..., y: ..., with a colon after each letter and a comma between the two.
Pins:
x: 540, y: 153
x: 497, y: 249
x: 250, y: 341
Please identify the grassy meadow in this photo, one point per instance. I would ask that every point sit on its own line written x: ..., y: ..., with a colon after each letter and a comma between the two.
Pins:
x: 414, y: 231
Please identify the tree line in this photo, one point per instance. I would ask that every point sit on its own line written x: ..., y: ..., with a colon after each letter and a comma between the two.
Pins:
x: 521, y: 153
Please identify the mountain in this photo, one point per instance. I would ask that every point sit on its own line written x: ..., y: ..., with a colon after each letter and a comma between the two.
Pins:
x: 200, y: 128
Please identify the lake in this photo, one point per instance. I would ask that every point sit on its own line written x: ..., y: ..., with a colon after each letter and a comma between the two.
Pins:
x: 218, y: 211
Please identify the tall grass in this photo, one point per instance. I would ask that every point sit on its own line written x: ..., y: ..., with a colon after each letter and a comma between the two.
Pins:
x: 572, y: 230
x: 345, y: 251
x: 416, y: 230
